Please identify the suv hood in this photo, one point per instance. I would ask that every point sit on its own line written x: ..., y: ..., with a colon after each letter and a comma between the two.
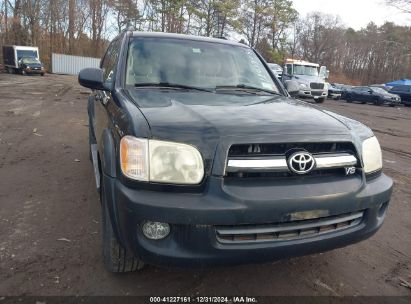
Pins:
x: 175, y: 114
x: 213, y: 122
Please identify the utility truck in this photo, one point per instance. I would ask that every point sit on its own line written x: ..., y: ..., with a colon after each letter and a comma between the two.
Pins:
x: 22, y: 59
x: 311, y: 78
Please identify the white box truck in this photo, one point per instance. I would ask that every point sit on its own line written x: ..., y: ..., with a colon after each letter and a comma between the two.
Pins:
x: 13, y: 55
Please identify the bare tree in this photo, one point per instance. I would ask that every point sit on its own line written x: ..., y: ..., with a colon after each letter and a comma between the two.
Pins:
x: 402, y: 5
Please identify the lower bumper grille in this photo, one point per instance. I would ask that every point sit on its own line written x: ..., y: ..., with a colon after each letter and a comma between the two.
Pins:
x: 287, y: 231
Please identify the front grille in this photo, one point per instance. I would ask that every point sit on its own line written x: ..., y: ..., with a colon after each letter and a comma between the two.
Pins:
x: 246, y: 150
x: 287, y: 231
x: 316, y: 86
x: 270, y: 160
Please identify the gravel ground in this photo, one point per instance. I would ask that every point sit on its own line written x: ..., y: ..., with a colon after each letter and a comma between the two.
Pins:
x: 50, y: 216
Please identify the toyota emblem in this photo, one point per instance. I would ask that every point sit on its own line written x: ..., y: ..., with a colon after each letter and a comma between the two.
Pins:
x: 301, y: 162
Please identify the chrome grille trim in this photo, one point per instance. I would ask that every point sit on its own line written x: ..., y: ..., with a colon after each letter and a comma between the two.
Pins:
x: 279, y: 163
x: 287, y: 231
x: 335, y: 161
x: 276, y: 164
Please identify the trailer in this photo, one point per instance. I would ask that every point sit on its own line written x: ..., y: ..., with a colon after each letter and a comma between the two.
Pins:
x: 12, y: 54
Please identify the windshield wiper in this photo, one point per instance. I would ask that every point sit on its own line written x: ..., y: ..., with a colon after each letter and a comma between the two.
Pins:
x: 245, y: 87
x: 170, y: 85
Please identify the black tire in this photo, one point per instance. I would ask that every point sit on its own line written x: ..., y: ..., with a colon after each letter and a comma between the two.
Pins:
x: 377, y: 102
x: 348, y: 98
x: 319, y: 100
x: 42, y: 74
x: 116, y: 258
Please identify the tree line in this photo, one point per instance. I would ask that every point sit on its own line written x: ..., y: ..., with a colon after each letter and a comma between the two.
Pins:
x: 374, y: 54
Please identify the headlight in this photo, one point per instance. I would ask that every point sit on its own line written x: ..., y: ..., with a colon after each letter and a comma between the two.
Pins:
x: 134, y: 158
x: 371, y: 155
x: 303, y: 85
x: 160, y: 161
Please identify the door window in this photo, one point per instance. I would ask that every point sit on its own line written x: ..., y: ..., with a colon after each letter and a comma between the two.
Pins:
x: 404, y: 89
x: 289, y: 69
x: 110, y: 60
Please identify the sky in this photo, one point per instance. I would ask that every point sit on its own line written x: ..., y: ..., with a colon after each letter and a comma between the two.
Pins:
x: 354, y: 13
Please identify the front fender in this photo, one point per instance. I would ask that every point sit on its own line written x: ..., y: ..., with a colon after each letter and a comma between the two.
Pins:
x: 108, y: 154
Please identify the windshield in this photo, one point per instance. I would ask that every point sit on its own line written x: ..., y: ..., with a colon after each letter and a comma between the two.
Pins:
x: 305, y: 70
x: 30, y: 60
x: 192, y: 63
x: 26, y: 53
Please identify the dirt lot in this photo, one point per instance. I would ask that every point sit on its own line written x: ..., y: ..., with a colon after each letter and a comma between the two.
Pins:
x: 50, y: 217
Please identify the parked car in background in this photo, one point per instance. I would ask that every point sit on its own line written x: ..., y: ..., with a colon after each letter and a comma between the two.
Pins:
x: 333, y: 91
x: 31, y: 65
x: 276, y: 68
x: 373, y: 95
x: 404, y: 91
x: 343, y: 87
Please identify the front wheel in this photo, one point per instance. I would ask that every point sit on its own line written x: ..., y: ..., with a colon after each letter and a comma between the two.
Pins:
x: 378, y: 102
x: 319, y: 100
x: 116, y: 258
x: 42, y: 74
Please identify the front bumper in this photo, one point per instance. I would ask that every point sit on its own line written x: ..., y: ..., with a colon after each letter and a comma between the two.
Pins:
x: 193, y: 217
x: 32, y: 71
x: 334, y: 95
x: 312, y: 94
x: 394, y: 102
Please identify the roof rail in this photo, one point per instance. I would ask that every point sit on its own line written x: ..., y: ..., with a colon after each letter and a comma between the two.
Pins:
x: 221, y: 37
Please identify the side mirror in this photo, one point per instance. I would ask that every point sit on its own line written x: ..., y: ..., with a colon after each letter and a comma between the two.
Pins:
x: 292, y: 87
x: 323, y: 72
x: 91, y: 78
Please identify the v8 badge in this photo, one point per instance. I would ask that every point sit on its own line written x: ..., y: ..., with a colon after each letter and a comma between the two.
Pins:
x: 349, y: 170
